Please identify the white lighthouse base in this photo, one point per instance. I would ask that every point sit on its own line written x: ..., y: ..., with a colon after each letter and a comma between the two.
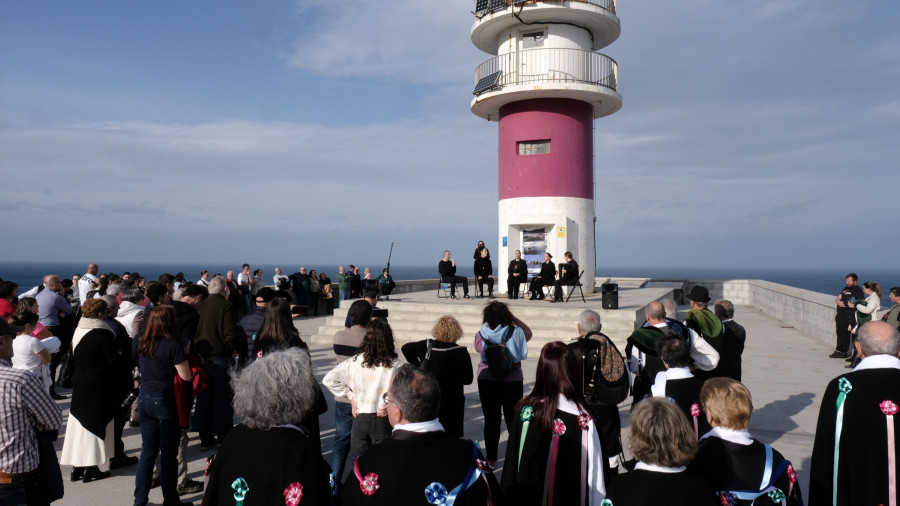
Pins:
x: 569, y: 226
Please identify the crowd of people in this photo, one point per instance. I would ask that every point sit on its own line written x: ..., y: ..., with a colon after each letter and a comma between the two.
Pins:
x: 173, y: 357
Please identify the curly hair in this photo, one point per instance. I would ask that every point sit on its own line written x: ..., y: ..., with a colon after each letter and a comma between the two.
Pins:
x: 277, y: 389
x: 447, y: 329
x: 377, y: 347
x: 497, y: 314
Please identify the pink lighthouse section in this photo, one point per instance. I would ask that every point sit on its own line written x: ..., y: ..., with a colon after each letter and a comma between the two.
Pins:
x: 545, y: 87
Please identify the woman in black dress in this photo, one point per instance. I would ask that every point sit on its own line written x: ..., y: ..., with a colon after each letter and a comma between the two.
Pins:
x: 554, y: 453
x: 663, y: 444
x: 450, y: 364
x: 484, y: 273
x: 733, y: 461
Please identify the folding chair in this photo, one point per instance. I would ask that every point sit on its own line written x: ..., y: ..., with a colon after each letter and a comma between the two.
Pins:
x: 577, y: 285
x: 443, y: 287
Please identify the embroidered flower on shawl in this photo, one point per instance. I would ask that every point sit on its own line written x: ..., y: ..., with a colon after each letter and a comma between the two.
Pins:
x: 584, y: 421
x: 559, y: 428
x: 527, y: 414
x: 792, y: 475
x: 259, y: 354
x: 370, y: 484
x: 695, y: 409
x: 889, y: 408
x: 728, y: 499
x: 436, y: 493
x: 209, y: 463
x: 776, y: 495
x: 292, y: 494
x: 844, y: 385
x: 240, y: 488
x: 606, y: 502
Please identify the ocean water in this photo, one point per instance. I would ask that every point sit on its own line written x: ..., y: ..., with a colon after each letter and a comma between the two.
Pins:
x: 829, y: 281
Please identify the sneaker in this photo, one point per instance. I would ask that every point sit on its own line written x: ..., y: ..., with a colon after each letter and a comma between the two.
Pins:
x: 190, y: 487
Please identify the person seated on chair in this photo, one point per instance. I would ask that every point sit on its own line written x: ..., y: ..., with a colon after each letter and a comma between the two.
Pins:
x: 484, y: 270
x: 447, y: 268
x: 386, y: 282
x: 546, y: 277
x: 518, y: 274
x: 568, y: 276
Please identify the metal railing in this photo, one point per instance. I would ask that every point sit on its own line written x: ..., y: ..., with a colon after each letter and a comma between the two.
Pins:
x: 483, y: 7
x: 555, y: 65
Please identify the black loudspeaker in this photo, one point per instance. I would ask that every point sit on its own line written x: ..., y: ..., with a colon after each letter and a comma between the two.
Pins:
x: 610, y: 293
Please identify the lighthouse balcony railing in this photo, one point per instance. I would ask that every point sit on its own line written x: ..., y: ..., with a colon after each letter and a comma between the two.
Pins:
x: 550, y: 66
x: 484, y: 7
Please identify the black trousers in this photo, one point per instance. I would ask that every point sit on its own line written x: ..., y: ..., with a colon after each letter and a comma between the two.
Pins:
x: 490, y: 284
x: 497, y: 396
x: 842, y: 322
x: 454, y: 280
x: 512, y: 286
x: 557, y: 288
x: 536, y: 288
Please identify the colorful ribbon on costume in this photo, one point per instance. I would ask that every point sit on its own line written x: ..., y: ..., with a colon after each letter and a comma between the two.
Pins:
x: 527, y: 415
x: 792, y: 478
x: 584, y: 421
x: 240, y: 488
x: 695, y: 413
x: 559, y: 428
x: 436, y: 493
x: 368, y: 484
x: 471, y: 477
x: 483, y: 469
x: 889, y: 408
x: 845, y: 387
x: 293, y: 494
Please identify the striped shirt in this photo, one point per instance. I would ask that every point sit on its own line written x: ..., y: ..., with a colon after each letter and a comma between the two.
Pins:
x: 23, y: 402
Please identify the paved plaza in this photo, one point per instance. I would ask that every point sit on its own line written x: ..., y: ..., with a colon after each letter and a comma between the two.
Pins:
x: 785, y: 370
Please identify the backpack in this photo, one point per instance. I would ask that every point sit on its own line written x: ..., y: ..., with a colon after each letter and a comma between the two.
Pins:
x: 605, y: 380
x: 497, y: 356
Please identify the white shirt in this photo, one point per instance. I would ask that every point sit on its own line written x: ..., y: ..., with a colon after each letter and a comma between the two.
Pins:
x: 429, y: 426
x: 741, y: 437
x: 675, y: 373
x: 878, y: 362
x: 25, y: 350
x: 84, y: 286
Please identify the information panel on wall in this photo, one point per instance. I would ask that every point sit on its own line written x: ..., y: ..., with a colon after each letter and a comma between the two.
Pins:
x: 534, y: 245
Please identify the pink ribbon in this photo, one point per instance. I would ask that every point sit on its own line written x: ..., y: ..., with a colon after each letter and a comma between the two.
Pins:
x: 792, y: 478
x: 695, y: 412
x: 559, y: 428
x: 889, y: 408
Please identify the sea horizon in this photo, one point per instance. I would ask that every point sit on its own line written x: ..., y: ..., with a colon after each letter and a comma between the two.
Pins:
x: 822, y: 280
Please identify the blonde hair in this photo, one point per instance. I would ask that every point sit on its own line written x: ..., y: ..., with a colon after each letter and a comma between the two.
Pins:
x: 728, y: 402
x: 660, y: 434
x: 93, y: 308
x: 447, y: 329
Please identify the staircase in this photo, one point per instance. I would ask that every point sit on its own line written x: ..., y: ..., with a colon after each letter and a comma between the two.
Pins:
x: 411, y: 320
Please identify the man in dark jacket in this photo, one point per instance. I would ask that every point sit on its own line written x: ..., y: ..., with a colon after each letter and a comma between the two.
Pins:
x: 732, y: 343
x: 252, y: 322
x: 845, y: 317
x: 419, y: 461
x: 568, y: 276
x: 216, y: 343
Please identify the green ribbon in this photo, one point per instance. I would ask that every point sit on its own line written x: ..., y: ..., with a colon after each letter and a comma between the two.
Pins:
x: 527, y: 415
x: 845, y: 387
x: 240, y: 488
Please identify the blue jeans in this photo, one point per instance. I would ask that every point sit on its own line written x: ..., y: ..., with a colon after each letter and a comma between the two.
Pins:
x: 159, y: 433
x: 343, y: 427
x: 23, y: 491
x: 214, y: 414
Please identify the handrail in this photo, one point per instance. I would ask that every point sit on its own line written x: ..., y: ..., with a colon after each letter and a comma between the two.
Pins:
x: 489, y: 6
x: 552, y: 65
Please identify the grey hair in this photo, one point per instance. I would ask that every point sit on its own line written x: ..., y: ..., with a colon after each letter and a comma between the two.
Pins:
x: 133, y: 295
x: 589, y: 321
x: 878, y: 338
x: 724, y: 309
x: 277, y: 389
x: 671, y: 308
x: 416, y: 393
x: 216, y: 285
x: 115, y: 289
x: 178, y: 293
x: 110, y: 301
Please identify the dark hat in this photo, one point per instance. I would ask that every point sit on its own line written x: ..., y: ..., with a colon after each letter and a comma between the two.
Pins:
x: 265, y: 295
x: 699, y: 294
x: 9, y: 330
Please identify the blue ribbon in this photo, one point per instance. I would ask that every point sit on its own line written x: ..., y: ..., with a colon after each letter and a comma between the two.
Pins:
x: 436, y: 493
x: 845, y: 387
x: 471, y: 477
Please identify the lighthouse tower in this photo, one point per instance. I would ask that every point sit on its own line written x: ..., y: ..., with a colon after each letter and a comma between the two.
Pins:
x: 544, y: 87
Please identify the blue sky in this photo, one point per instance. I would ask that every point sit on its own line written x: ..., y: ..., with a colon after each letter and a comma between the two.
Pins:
x: 759, y: 134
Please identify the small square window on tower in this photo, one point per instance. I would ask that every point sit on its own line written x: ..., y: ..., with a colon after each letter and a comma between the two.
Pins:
x: 541, y: 147
x: 532, y: 39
